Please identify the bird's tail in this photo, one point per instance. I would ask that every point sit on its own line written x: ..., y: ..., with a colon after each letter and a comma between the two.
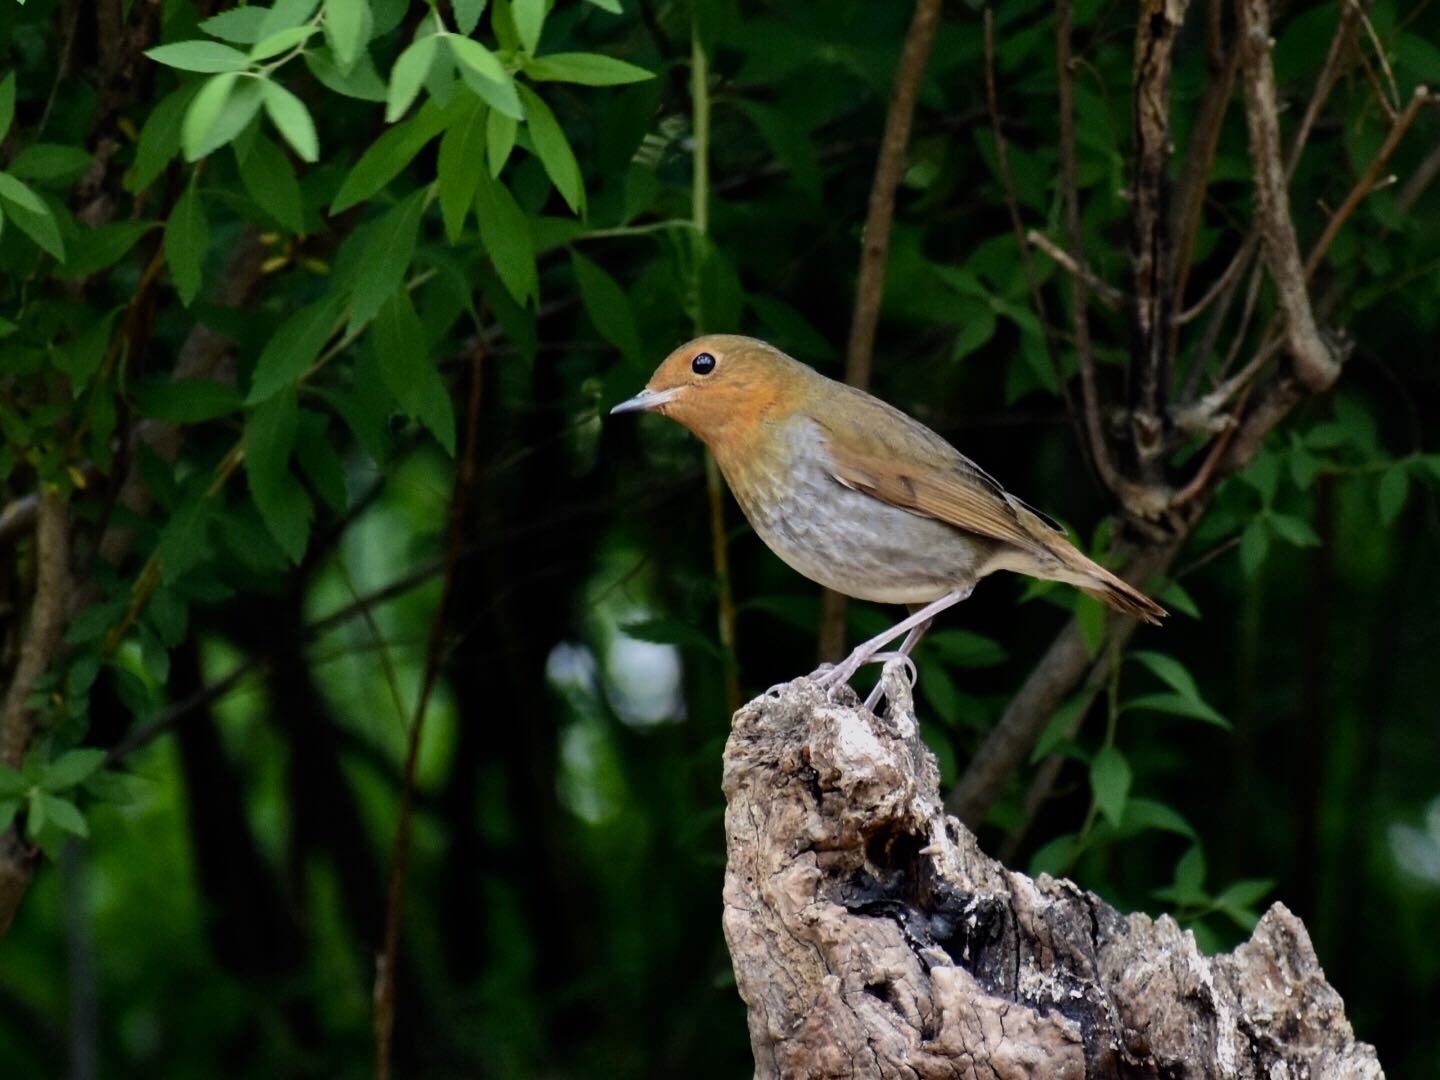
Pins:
x: 1089, y: 576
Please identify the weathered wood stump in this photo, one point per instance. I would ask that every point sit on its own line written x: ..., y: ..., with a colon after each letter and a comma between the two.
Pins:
x: 871, y: 937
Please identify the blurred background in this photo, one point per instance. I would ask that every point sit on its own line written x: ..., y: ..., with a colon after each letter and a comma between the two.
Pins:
x: 1278, y: 735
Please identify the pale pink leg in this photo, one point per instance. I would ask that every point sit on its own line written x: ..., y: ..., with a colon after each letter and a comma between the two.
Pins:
x: 841, y: 673
x: 915, y: 634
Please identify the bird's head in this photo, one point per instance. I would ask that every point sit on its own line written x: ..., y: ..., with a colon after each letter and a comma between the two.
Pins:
x: 721, y: 386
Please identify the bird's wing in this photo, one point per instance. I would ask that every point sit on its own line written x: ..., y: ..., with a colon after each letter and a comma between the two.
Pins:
x: 923, y: 474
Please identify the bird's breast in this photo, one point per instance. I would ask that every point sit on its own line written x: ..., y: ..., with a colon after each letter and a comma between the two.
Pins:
x: 844, y: 539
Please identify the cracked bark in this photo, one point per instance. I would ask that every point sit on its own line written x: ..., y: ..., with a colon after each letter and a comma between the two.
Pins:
x: 871, y: 937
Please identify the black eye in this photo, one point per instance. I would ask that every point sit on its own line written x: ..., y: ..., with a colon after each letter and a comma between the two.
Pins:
x: 703, y: 363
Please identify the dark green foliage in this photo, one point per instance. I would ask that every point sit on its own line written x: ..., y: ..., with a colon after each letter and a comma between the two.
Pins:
x: 370, y: 205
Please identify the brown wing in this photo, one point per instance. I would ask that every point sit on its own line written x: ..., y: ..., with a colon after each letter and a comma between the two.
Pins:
x: 967, y: 498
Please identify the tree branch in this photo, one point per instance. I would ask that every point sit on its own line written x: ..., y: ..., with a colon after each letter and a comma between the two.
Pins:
x: 1316, y: 368
x: 875, y: 248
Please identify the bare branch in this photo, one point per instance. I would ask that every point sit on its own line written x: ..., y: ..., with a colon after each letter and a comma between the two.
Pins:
x: 18, y: 517
x: 1314, y: 364
x: 1079, y: 294
x: 1106, y: 293
x: 1158, y: 23
x: 875, y: 249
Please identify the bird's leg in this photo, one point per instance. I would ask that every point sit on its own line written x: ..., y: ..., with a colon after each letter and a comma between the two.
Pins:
x: 915, y: 634
x: 864, y: 653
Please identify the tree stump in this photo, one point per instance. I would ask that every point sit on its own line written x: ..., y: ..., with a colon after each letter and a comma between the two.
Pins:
x: 871, y: 937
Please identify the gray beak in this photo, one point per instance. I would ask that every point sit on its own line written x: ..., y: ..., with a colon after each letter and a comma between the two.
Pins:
x: 644, y: 401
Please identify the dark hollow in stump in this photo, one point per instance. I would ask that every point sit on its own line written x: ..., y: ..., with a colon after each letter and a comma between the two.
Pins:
x: 871, y: 936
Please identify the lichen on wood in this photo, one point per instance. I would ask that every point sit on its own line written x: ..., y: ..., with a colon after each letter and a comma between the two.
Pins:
x: 871, y: 937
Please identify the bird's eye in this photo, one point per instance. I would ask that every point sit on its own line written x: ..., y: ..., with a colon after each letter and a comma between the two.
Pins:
x: 703, y: 363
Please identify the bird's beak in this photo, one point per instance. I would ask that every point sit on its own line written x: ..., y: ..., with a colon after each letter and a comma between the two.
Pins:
x: 645, y: 401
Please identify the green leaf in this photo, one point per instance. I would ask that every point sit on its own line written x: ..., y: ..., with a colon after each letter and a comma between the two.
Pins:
x: 242, y: 25
x: 483, y: 73
x: 80, y: 357
x: 269, y: 439
x: 965, y: 648
x: 554, y: 150
x: 1110, y: 781
x: 612, y: 6
x: 50, y: 161
x: 70, y: 768
x: 169, y: 615
x: 1293, y: 530
x: 938, y: 690
x: 1143, y: 814
x: 1393, y: 490
x: 220, y: 111
x: 408, y: 75
x: 292, y: 119
x: 270, y: 180
x: 284, y: 14
x: 387, y: 257
x: 7, y: 103
x: 1090, y: 620
x: 361, y: 81
x: 1254, y: 543
x: 159, y: 139
x: 12, y: 782
x: 30, y: 214
x: 1264, y: 476
x: 529, y: 18
x: 1053, y: 857
x: 348, y: 24
x: 282, y: 41
x: 499, y: 139
x: 61, y: 812
x: 607, y: 305
x: 462, y: 158
x: 182, y: 540
x: 187, y: 241
x: 99, y: 248
x: 390, y: 153
x: 1060, y: 726
x: 587, y: 69
x: 294, y: 346
x: 1244, y: 894
x: 1170, y: 671
x: 319, y: 461
x: 467, y: 14
x: 1178, y: 705
x: 185, y: 401
x: 1189, y: 882
x: 8, y: 809
x: 1176, y: 598
x: 408, y: 370
x: 672, y: 632
x: 208, y: 56
x: 505, y: 234
x: 112, y: 787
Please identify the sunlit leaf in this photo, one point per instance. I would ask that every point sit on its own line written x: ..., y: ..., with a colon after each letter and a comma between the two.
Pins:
x: 206, y: 56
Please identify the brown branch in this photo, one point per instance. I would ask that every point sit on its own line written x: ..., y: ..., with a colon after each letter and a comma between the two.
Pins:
x: 1158, y: 23
x: 1314, y: 364
x: 1367, y: 181
x: 875, y: 248
x: 1062, y: 667
x: 1079, y: 295
x: 1111, y: 297
x: 466, y: 470
x: 49, y: 610
x: 18, y: 517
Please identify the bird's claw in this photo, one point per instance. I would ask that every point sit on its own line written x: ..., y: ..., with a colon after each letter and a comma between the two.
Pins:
x: 912, y: 676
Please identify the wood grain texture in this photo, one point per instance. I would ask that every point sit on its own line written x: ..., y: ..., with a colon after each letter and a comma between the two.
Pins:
x: 871, y: 937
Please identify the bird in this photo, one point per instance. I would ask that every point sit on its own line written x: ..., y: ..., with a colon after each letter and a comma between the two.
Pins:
x: 858, y: 496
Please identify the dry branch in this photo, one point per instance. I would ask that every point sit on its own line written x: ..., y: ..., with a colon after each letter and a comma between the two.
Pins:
x: 871, y: 937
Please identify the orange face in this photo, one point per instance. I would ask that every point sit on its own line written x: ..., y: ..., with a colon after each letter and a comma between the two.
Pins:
x: 716, y: 385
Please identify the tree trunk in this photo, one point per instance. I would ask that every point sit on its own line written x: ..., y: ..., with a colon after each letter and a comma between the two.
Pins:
x: 871, y: 936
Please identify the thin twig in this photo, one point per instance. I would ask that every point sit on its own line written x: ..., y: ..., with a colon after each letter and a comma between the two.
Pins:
x: 1108, y: 295
x: 875, y: 247
x: 1367, y: 181
x: 1079, y: 294
x: 465, y: 474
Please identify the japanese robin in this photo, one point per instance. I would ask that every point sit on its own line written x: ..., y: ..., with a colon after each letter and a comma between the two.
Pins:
x: 857, y: 496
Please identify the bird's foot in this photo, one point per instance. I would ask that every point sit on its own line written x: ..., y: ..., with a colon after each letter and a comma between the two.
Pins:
x: 912, y: 676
